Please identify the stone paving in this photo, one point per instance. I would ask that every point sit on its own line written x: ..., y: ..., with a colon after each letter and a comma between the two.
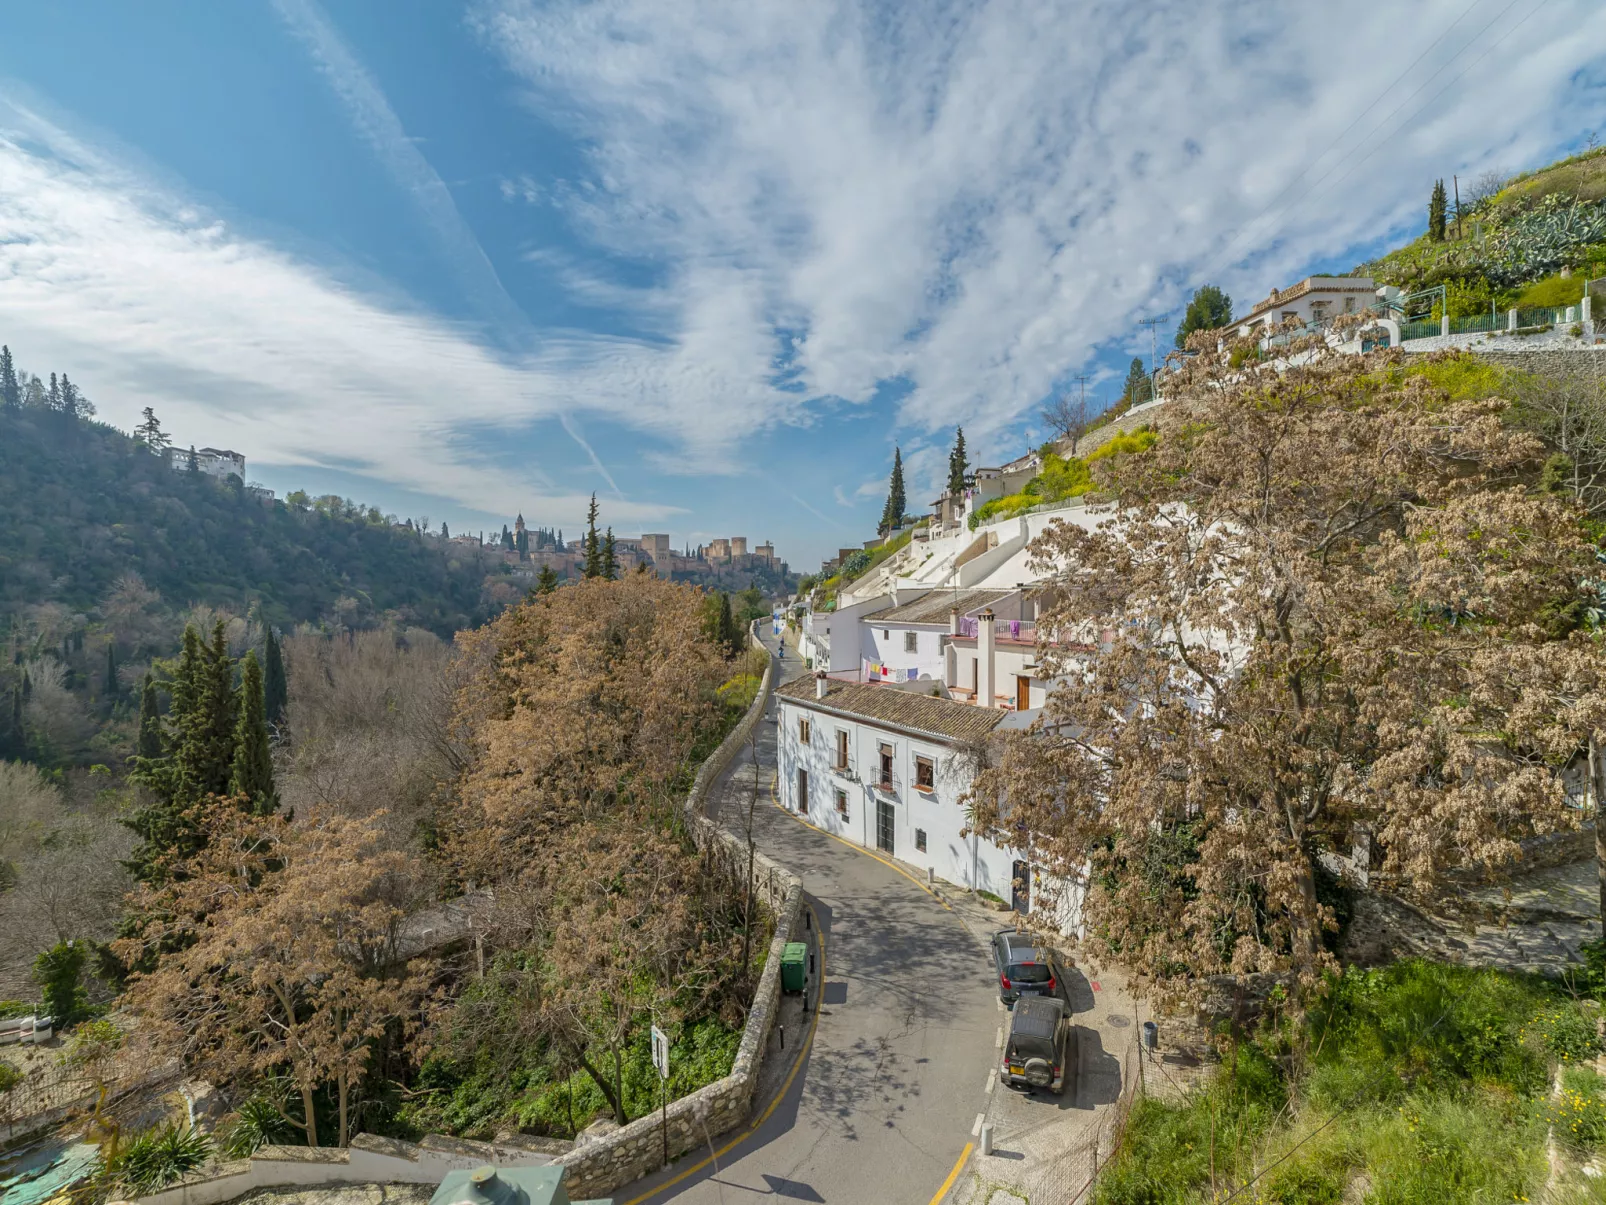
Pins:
x: 342, y: 1194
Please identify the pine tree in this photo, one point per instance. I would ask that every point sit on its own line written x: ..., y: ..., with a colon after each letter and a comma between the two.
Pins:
x: 149, y: 746
x: 275, y: 687
x: 593, y: 546
x: 10, y: 389
x: 53, y: 396
x: 546, y: 581
x: 1437, y: 207
x: 251, y: 776
x: 893, y: 514
x: 150, y: 433
x: 957, y: 464
x: 1137, y: 388
x: 1209, y: 310
x: 610, y: 562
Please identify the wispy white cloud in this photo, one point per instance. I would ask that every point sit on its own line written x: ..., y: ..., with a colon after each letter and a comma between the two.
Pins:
x: 152, y: 301
x: 975, y: 197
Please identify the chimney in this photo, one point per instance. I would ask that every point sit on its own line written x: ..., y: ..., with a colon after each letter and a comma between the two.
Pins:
x: 819, y: 684
x: 984, y: 651
x: 953, y: 622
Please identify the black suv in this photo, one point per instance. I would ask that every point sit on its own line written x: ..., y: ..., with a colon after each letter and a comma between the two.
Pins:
x: 1040, y: 1051
x: 1024, y: 967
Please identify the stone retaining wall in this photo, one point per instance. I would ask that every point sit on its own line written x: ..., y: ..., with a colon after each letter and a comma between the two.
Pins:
x: 627, y: 1154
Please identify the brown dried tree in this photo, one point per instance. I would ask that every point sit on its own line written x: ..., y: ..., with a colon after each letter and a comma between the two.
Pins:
x: 1282, y: 633
x: 275, y: 953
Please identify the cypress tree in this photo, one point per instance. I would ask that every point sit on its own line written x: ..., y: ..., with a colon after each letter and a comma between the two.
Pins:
x: 1438, y: 205
x: 111, y: 670
x: 193, y: 465
x: 893, y: 514
x: 957, y: 464
x: 546, y: 581
x: 10, y: 389
x: 593, y: 546
x: 276, y: 688
x: 150, y: 723
x: 251, y: 776
x: 729, y: 636
x: 610, y: 562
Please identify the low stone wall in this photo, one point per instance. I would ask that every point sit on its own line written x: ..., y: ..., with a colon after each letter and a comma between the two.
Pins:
x: 368, y: 1160
x: 636, y: 1150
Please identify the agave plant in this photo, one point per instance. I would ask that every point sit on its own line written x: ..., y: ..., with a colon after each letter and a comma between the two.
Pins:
x: 257, y: 1123
x: 160, y: 1157
x: 1545, y: 240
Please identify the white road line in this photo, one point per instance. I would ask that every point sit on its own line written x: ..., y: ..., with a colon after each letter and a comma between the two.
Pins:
x: 998, y: 1038
x: 992, y: 1079
x: 975, y: 1130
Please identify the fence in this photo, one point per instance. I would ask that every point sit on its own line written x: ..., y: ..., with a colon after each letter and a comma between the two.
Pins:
x: 1419, y: 330
x: 1544, y: 317
x: 1477, y: 322
x: 1016, y: 631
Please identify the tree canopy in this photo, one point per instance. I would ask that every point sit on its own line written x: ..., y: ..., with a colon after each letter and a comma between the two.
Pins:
x: 1209, y: 310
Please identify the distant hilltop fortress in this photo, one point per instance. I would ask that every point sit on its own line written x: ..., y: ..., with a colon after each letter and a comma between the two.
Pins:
x: 533, y: 548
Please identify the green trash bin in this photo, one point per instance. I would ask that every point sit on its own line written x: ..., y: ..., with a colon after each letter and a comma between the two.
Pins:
x: 794, y: 959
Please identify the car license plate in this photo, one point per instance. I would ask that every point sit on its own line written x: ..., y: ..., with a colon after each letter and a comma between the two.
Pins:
x: 1016, y: 1069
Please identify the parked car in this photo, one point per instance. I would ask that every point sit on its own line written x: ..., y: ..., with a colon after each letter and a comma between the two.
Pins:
x: 1041, y: 1049
x: 1024, y: 967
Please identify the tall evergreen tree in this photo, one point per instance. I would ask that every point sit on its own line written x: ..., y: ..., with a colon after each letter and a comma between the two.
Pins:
x: 546, y: 581
x: 275, y: 687
x: 892, y: 515
x: 957, y: 464
x: 593, y: 545
x: 53, y: 396
x: 111, y: 671
x: 10, y: 389
x: 251, y: 776
x: 1438, y: 206
x: 610, y: 561
x: 1138, y: 388
x: 445, y: 533
x: 1209, y: 309
x: 149, y: 746
x: 729, y: 634
x: 507, y: 539
x: 150, y: 433
x: 193, y: 467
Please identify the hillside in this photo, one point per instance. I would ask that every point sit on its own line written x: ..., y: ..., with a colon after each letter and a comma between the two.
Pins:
x: 82, y: 505
x: 1529, y: 241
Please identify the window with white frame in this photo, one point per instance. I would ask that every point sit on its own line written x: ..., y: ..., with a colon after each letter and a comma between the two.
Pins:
x: 841, y: 803
x: 911, y: 642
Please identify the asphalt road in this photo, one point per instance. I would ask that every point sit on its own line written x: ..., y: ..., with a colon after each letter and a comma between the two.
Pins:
x: 883, y: 1104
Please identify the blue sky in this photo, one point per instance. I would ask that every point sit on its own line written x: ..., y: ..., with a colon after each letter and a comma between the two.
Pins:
x: 710, y: 261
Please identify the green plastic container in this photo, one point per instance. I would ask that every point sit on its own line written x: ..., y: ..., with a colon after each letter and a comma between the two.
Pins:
x: 794, y: 960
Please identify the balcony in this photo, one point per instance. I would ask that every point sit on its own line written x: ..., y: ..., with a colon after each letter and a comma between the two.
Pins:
x: 1005, y: 631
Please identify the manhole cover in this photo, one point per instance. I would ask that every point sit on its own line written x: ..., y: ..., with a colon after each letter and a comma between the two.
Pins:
x: 1117, y: 1021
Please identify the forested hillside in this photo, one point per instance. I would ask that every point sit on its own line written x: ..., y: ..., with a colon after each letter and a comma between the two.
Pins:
x: 82, y: 505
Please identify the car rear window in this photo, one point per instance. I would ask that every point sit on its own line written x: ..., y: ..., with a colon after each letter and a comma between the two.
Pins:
x: 1023, y: 1047
x: 1029, y: 972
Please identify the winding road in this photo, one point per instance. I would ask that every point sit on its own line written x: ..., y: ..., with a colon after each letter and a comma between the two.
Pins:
x: 882, y: 1104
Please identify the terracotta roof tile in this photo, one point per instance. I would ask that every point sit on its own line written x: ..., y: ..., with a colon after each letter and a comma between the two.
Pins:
x: 903, y: 709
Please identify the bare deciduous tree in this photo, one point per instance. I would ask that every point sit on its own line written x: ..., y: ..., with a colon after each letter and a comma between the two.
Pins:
x: 1068, y: 420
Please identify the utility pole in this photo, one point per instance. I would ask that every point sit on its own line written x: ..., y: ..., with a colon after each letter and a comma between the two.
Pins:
x: 1456, y: 182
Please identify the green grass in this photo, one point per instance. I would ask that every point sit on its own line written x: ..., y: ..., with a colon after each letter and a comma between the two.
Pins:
x: 1425, y: 1082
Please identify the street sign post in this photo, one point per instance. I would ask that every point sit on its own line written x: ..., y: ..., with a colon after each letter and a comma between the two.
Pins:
x: 660, y: 1060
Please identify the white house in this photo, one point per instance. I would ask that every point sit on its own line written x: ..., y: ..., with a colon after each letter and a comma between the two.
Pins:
x: 214, y: 462
x: 886, y: 769
x: 1314, y: 299
x: 909, y: 642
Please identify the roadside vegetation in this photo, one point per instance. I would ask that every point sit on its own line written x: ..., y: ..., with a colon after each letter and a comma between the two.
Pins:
x: 1416, y: 1083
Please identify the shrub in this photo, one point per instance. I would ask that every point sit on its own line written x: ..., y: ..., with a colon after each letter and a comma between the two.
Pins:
x: 257, y: 1123
x: 1552, y: 293
x: 59, y: 972
x: 10, y: 1076
x: 160, y: 1157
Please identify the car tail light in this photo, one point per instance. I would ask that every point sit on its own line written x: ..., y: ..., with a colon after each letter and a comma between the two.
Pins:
x: 1004, y: 979
x: 1051, y: 983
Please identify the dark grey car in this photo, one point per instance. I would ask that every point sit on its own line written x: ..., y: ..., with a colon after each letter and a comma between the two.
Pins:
x: 1024, y: 967
x: 1041, y: 1049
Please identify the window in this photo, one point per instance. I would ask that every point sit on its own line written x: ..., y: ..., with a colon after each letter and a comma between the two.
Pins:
x: 841, y: 749
x: 803, y: 791
x: 911, y: 642
x: 886, y: 765
x: 886, y: 635
x: 803, y: 731
x: 1349, y: 305
x: 842, y: 803
x: 975, y: 675
x: 925, y: 774
x: 920, y: 839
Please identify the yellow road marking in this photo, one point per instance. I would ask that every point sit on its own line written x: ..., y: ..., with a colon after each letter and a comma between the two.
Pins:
x: 853, y: 845
x: 953, y: 1175
x: 752, y: 1128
